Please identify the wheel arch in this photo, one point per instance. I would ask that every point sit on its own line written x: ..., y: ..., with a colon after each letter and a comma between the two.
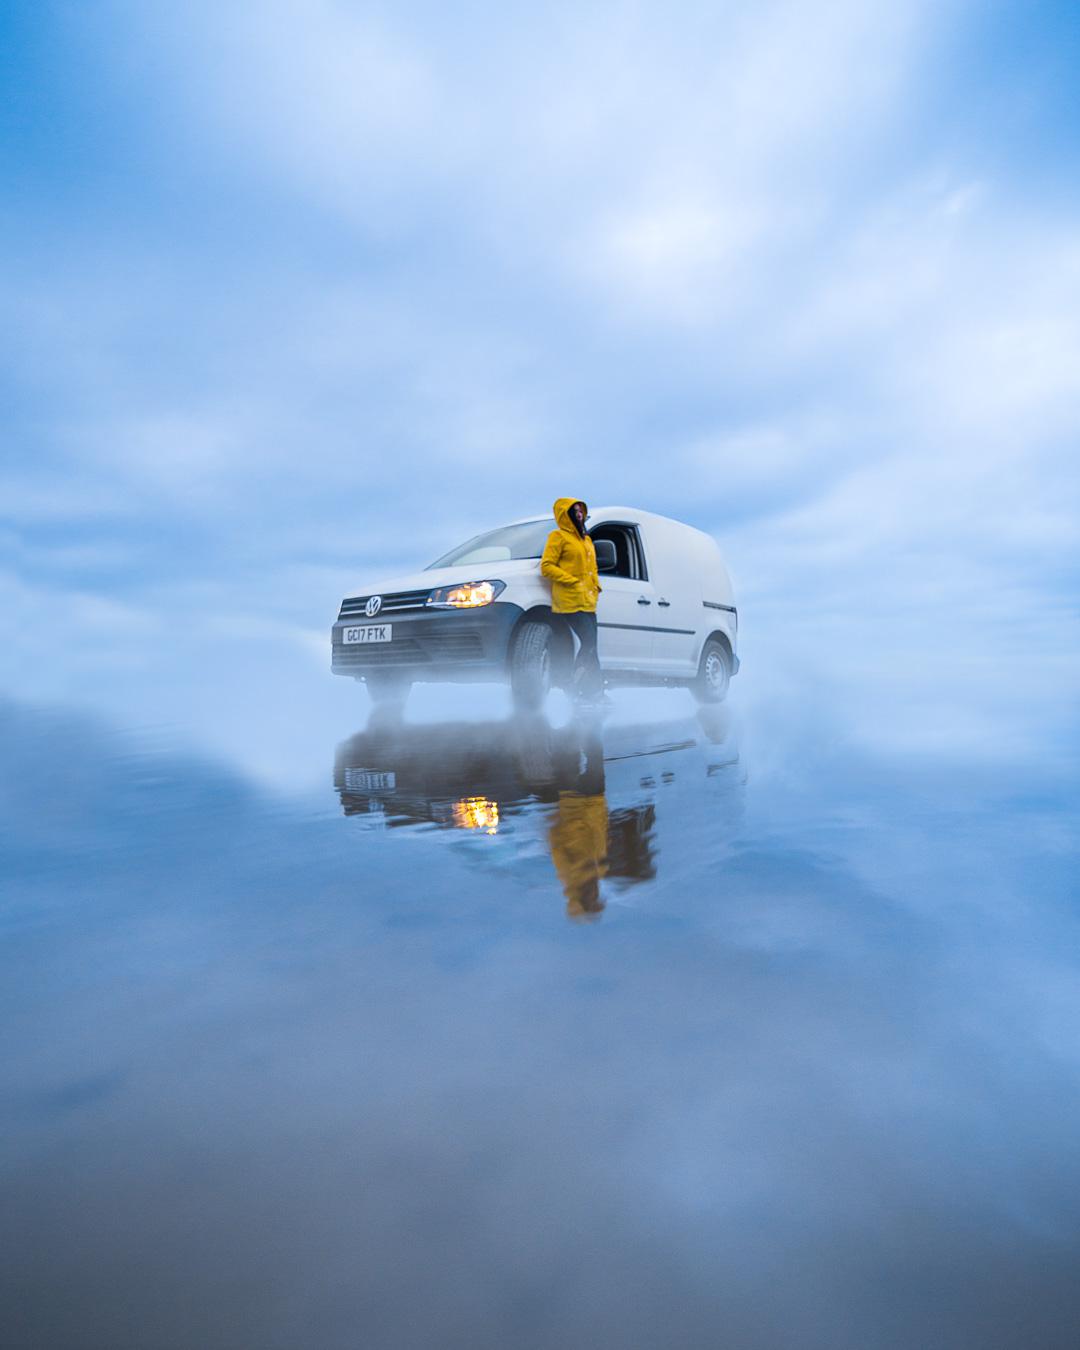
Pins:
x: 724, y: 639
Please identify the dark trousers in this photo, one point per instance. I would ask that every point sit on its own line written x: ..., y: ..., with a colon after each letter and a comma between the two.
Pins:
x: 588, y: 677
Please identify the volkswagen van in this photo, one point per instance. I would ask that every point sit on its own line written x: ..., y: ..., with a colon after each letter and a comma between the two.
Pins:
x: 482, y: 612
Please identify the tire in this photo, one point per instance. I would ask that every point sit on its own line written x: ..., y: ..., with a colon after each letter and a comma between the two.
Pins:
x: 714, y: 673
x: 530, y: 664
x: 387, y: 688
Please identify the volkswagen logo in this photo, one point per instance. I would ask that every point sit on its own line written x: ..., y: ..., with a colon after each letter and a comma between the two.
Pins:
x: 373, y: 606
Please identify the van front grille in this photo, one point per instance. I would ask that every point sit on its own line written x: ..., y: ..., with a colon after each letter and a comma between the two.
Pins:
x: 456, y: 646
x: 354, y: 606
x: 411, y: 651
x: 403, y: 650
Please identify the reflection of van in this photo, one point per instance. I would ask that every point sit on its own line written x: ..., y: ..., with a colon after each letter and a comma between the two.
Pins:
x: 520, y: 795
x: 483, y: 612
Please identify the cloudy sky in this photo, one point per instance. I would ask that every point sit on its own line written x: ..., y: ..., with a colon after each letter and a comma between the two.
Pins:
x: 299, y: 291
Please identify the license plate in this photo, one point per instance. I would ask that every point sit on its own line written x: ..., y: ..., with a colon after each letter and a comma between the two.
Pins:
x: 369, y: 780
x: 369, y: 632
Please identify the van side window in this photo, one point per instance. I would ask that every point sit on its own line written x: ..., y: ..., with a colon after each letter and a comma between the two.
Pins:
x: 629, y: 557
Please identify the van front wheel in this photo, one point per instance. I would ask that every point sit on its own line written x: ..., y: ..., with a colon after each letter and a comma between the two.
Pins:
x: 714, y: 673
x: 530, y: 664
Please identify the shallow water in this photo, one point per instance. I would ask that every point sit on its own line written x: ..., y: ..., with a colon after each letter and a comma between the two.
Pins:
x: 537, y: 1034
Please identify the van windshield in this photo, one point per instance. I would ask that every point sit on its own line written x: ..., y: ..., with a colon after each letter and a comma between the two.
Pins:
x: 525, y: 540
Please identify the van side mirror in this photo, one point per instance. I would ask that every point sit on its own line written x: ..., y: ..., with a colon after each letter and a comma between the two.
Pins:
x: 605, y: 555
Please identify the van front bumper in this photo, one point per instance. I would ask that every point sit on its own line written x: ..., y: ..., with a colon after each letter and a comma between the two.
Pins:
x: 431, y: 645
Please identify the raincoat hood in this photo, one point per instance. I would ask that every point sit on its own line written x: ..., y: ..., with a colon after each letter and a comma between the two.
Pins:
x: 561, y: 511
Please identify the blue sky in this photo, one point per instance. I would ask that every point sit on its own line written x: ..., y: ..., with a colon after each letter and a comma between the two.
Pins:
x: 298, y: 291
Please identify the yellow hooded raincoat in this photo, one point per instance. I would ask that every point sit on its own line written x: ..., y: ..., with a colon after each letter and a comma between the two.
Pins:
x: 569, y: 563
x: 578, y: 839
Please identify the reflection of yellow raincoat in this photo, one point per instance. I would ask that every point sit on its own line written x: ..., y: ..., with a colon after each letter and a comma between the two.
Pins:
x: 579, y: 845
x: 569, y: 563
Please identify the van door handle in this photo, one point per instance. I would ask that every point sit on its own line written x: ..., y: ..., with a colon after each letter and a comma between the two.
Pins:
x: 664, y: 604
x: 643, y: 601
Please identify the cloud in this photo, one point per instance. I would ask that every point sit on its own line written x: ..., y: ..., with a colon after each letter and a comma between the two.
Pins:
x: 346, y: 284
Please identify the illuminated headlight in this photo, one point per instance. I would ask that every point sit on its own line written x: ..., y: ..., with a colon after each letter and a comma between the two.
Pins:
x: 470, y: 595
x: 477, y: 813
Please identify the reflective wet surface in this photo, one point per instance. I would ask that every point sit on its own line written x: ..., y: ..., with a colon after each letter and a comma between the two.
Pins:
x: 580, y: 797
x: 538, y: 1033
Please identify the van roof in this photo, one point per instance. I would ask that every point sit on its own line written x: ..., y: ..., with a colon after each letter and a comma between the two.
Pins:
x: 633, y: 514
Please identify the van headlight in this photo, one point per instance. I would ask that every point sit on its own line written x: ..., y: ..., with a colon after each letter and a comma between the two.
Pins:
x: 469, y: 595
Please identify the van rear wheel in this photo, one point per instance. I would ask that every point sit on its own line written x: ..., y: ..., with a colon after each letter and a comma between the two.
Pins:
x: 530, y: 664
x: 714, y: 673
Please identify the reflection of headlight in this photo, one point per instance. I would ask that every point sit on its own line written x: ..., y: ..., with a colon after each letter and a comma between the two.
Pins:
x: 470, y: 595
x: 477, y: 813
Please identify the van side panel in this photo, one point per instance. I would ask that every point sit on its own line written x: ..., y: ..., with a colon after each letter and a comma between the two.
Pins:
x: 673, y: 560
x: 719, y: 613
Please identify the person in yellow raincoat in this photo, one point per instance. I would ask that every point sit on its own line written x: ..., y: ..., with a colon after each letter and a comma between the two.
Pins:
x: 578, y: 837
x: 569, y: 563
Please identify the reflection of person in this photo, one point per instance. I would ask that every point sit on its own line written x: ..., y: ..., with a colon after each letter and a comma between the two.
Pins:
x: 569, y: 563
x: 578, y: 837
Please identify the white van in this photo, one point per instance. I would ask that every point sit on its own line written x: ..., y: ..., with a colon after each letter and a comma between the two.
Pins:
x: 666, y: 614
